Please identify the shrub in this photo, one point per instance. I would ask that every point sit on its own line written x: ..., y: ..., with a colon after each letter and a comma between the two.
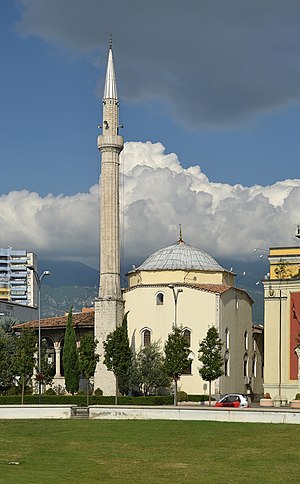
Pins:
x: 198, y: 398
x: 81, y: 392
x: 98, y: 392
x: 297, y: 396
x: 182, y: 396
x: 267, y: 395
x: 50, y: 391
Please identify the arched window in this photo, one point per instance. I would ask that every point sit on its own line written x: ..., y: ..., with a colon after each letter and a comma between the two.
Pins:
x: 246, y: 370
x: 146, y: 337
x: 187, y: 336
x: 227, y: 339
x: 246, y: 337
x: 159, y: 298
x: 227, y: 363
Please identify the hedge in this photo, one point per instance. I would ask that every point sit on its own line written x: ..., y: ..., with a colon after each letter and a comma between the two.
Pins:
x: 80, y: 400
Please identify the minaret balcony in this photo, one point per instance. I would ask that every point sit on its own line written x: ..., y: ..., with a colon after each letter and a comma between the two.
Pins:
x: 107, y: 141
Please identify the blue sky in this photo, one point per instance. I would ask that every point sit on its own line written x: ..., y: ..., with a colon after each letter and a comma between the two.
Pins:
x: 217, y: 84
x: 50, y: 109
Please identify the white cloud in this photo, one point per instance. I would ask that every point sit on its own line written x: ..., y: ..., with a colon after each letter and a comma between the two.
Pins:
x: 159, y: 194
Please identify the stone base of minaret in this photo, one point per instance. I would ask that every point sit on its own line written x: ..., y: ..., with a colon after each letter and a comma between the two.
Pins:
x: 108, y: 315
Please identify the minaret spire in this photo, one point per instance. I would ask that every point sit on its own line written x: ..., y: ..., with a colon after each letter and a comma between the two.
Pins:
x: 109, y: 307
x: 110, y: 88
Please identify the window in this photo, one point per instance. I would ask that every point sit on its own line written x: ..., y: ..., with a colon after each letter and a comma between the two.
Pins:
x: 227, y: 339
x: 146, y: 337
x: 159, y: 299
x: 246, y: 365
x: 187, y: 336
x: 246, y: 337
x: 188, y: 370
x: 227, y: 364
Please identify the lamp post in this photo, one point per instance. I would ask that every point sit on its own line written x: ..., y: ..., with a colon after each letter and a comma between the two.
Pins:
x: 39, y: 280
x: 175, y: 295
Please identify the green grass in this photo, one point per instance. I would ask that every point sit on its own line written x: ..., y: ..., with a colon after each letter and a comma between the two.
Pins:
x: 131, y: 451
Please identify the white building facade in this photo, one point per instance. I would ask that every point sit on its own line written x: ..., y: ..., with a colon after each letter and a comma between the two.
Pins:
x: 206, y: 296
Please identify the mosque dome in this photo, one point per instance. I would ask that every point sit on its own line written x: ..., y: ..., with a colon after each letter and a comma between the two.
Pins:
x: 180, y: 256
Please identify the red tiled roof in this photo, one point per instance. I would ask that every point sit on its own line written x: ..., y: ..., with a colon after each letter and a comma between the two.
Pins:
x: 79, y: 320
x: 214, y: 288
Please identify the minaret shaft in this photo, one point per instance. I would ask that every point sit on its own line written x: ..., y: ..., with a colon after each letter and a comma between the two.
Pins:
x: 109, y: 306
x: 110, y: 144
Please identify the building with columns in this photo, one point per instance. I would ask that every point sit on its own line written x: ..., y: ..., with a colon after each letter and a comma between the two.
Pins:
x: 282, y: 324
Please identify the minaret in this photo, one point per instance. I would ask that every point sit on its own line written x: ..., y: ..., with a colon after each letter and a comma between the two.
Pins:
x: 109, y: 305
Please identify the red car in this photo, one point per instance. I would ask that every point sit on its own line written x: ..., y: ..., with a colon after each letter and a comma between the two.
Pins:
x: 233, y: 400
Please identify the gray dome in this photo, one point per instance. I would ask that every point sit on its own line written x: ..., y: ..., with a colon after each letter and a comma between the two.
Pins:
x: 180, y: 256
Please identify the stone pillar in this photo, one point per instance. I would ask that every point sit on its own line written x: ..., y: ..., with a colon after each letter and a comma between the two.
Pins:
x: 57, y: 349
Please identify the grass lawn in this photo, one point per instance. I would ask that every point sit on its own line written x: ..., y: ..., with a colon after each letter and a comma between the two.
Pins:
x: 157, y: 451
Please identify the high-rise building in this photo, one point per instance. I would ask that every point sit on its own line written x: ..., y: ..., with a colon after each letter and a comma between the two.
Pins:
x: 109, y: 306
x: 17, y: 284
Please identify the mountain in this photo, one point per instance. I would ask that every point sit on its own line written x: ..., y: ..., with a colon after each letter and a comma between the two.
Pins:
x: 68, y: 273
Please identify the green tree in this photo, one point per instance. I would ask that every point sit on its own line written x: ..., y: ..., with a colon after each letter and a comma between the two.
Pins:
x: 176, y: 357
x: 7, y: 347
x: 7, y: 322
x: 70, y: 357
x: 118, y: 356
x: 151, y: 370
x: 211, y: 358
x: 47, y: 369
x: 24, y: 359
x: 88, y: 359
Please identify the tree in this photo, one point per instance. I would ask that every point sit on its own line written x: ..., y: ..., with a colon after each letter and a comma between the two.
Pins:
x: 7, y: 322
x: 7, y: 346
x: 70, y: 357
x: 176, y: 357
x: 150, y: 369
x: 118, y: 356
x: 88, y: 359
x: 211, y: 358
x: 24, y: 359
x: 47, y: 369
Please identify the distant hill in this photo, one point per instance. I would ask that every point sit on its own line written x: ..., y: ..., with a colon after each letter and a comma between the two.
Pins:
x: 66, y: 273
x: 74, y: 283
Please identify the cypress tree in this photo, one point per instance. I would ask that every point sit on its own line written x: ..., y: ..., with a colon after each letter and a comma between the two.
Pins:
x: 70, y: 357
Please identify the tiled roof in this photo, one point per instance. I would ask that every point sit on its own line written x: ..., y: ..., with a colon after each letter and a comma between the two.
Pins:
x: 79, y: 320
x: 180, y: 256
x: 215, y: 288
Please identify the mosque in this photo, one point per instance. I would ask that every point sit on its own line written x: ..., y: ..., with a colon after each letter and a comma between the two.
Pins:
x: 177, y: 285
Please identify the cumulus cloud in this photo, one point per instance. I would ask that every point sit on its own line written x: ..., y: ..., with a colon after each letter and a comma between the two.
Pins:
x: 211, y: 63
x: 157, y: 195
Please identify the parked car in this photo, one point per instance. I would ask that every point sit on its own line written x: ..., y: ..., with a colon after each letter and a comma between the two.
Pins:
x: 234, y: 400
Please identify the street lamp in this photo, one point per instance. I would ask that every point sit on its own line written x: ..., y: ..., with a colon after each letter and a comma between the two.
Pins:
x: 39, y: 280
x: 175, y: 295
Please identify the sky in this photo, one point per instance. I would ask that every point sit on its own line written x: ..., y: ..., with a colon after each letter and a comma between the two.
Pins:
x: 210, y: 102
